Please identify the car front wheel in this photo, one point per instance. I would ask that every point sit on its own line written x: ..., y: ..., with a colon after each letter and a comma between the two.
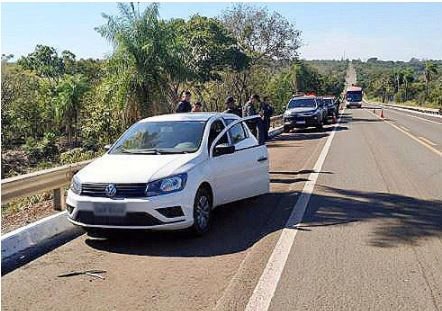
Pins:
x: 202, y: 210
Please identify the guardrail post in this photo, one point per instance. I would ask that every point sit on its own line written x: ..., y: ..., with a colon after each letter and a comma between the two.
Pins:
x: 59, y: 200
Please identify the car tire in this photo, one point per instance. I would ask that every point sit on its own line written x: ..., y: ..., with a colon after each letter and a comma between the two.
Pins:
x: 286, y: 129
x: 320, y: 126
x: 202, y: 211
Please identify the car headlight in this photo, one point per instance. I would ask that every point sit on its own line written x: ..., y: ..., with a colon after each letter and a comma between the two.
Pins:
x: 166, y: 185
x: 75, y: 185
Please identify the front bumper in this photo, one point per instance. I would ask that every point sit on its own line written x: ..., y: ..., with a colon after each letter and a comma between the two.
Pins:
x: 301, y: 121
x: 140, y: 213
x: 354, y: 104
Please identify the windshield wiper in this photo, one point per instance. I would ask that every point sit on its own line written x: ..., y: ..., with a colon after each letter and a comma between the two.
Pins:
x: 140, y: 151
x: 153, y: 151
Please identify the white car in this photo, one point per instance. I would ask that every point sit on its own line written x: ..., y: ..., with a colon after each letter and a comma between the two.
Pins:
x: 168, y: 172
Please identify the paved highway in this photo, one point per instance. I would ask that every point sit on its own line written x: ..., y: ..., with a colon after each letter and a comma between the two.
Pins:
x: 370, y: 238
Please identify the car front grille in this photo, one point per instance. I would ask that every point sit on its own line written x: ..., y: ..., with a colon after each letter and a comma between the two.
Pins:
x: 123, y: 190
x: 131, y: 219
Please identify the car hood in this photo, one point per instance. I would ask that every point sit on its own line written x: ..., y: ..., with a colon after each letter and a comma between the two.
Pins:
x: 134, y: 168
x: 300, y: 109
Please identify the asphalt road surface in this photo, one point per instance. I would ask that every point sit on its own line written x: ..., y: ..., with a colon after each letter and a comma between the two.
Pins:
x: 370, y: 238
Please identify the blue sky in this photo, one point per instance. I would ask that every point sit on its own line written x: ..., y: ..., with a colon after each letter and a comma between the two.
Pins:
x: 396, y: 31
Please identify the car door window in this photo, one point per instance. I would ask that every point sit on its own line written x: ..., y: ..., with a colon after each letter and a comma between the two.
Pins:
x: 215, y: 129
x: 237, y: 133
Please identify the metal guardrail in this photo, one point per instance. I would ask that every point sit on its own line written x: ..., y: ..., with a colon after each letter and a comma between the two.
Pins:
x: 276, y: 121
x: 420, y: 109
x: 51, y: 179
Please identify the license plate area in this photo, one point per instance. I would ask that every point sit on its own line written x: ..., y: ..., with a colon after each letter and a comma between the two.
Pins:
x: 109, y: 209
x: 300, y: 122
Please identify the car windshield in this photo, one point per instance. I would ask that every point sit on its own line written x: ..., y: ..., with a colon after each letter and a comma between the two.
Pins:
x: 302, y: 103
x: 354, y: 96
x: 329, y: 102
x: 166, y: 137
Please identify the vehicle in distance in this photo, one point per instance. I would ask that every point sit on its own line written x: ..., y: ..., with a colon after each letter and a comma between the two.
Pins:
x: 332, y: 107
x: 304, y: 111
x: 168, y: 172
x: 353, y: 97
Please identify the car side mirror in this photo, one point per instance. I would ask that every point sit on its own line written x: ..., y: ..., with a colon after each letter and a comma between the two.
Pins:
x: 223, y: 149
x: 107, y: 147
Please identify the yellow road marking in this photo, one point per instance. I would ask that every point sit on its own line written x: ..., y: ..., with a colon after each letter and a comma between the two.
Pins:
x: 422, y: 142
x: 427, y: 141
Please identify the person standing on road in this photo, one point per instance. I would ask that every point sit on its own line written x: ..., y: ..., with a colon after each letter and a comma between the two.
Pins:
x: 231, y: 108
x: 267, y: 111
x: 197, y: 107
x: 184, y: 105
x: 255, y: 125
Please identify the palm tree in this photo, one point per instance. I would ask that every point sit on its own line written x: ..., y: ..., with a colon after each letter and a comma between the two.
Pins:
x: 144, y: 55
x: 429, y: 70
x: 407, y: 77
x: 70, y: 91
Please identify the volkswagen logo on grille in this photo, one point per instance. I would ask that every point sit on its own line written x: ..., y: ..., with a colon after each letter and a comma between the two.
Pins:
x: 111, y: 190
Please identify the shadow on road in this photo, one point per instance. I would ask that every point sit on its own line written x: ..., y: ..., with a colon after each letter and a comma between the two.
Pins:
x: 301, y: 172
x: 236, y: 227
x: 287, y: 180
x: 399, y: 219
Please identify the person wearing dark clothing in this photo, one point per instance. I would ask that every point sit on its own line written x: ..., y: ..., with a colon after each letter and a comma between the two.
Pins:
x: 184, y: 105
x: 255, y: 125
x: 231, y: 108
x: 197, y: 107
x: 267, y: 111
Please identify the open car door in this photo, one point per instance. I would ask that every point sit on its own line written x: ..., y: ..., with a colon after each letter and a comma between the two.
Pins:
x: 241, y: 166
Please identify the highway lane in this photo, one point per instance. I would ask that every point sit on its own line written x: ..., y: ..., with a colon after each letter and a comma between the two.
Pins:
x: 371, y: 238
x: 163, y: 271
x: 425, y: 127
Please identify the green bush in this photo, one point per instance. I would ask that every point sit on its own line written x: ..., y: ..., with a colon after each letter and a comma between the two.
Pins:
x: 44, y: 149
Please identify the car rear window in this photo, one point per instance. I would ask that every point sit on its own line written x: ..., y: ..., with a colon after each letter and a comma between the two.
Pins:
x: 302, y: 103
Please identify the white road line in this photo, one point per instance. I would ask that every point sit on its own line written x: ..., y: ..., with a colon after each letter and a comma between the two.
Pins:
x: 427, y: 141
x: 268, y: 282
x: 404, y: 128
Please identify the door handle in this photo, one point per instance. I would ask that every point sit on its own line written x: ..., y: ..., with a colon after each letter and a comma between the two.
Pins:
x: 262, y: 159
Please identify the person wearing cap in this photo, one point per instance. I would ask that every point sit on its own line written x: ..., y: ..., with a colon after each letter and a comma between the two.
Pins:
x: 231, y: 108
x: 197, y: 107
x: 255, y: 125
x: 184, y: 105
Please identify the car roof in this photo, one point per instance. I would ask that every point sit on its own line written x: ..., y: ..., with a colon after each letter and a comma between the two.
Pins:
x: 303, y: 97
x: 194, y: 116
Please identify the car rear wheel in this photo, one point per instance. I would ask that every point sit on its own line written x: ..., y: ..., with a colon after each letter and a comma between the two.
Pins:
x: 202, y: 211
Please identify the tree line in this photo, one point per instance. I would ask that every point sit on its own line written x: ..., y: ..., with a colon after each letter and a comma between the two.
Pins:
x: 417, y: 82
x: 59, y: 109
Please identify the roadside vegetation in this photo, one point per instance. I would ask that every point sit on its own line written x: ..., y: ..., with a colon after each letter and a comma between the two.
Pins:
x: 416, y: 82
x: 57, y: 109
